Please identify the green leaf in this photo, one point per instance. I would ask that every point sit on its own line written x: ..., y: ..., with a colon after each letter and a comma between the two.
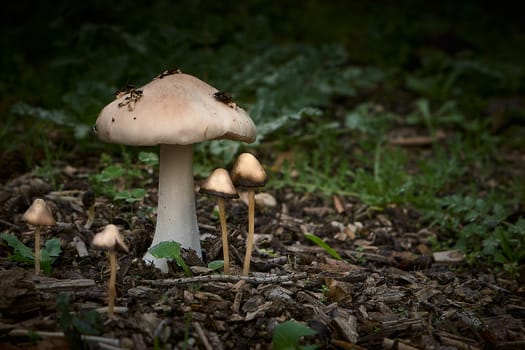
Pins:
x: 216, y: 264
x: 149, y: 158
x: 53, y: 248
x: 287, y: 335
x: 323, y: 245
x: 49, y: 254
x: 134, y: 195
x: 21, y: 253
x: 87, y: 322
x: 166, y: 250
x: 76, y: 323
x: 110, y: 173
x: 170, y: 250
x: 45, y: 262
x: 24, y: 254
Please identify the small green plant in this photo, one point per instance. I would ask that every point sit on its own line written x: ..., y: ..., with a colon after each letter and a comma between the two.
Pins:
x: 131, y: 196
x: 360, y: 256
x: 323, y: 245
x: 171, y: 251
x: 480, y: 229
x: 269, y: 252
x: 115, y: 180
x: 506, y: 245
x: 21, y: 253
x: 74, y: 324
x: 324, y: 289
x: 287, y: 336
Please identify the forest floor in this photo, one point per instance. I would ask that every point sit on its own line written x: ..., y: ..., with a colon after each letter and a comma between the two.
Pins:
x: 389, y: 290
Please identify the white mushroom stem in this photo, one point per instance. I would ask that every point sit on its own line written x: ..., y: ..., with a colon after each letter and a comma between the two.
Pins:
x: 251, y: 230
x: 224, y: 229
x: 37, y: 250
x: 176, y: 217
x: 112, y: 287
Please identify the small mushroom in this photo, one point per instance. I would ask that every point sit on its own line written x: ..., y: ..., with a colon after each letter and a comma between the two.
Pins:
x: 219, y: 184
x: 174, y: 111
x: 38, y: 215
x: 110, y: 239
x: 248, y: 172
x: 88, y: 201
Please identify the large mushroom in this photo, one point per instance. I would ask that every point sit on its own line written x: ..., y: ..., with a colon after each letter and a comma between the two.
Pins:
x: 174, y: 110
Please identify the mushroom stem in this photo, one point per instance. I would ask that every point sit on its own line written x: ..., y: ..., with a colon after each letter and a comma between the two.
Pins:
x: 112, y: 288
x: 37, y: 250
x: 90, y: 217
x: 224, y: 229
x: 251, y: 230
x: 176, y: 217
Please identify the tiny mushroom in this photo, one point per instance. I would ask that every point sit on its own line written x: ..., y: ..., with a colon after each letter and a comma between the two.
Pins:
x: 38, y: 215
x: 174, y: 110
x: 109, y: 238
x: 88, y: 201
x: 248, y: 172
x: 219, y: 184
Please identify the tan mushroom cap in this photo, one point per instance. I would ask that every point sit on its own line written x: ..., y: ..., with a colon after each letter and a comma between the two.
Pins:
x: 173, y: 109
x: 248, y: 172
x: 109, y: 238
x: 39, y: 214
x: 219, y: 184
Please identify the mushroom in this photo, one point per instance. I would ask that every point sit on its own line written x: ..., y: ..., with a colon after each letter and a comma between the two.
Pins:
x: 219, y: 184
x: 174, y: 110
x: 88, y: 201
x: 38, y: 214
x: 248, y: 172
x: 110, y: 239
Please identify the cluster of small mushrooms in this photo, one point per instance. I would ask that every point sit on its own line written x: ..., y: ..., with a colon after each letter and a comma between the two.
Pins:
x: 175, y: 110
x: 248, y: 173
x: 39, y: 214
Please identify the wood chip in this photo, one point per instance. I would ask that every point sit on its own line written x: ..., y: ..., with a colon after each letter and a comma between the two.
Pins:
x: 64, y: 285
x: 448, y: 257
x: 338, y: 204
x: 80, y: 246
x: 347, y: 328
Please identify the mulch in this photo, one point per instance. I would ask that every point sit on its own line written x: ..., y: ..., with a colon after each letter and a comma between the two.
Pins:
x: 389, y: 290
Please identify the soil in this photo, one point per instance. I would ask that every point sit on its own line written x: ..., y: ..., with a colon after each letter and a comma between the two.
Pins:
x: 389, y: 290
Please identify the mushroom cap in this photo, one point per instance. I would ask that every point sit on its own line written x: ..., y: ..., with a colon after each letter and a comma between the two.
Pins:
x: 219, y: 184
x: 39, y: 214
x: 248, y: 172
x: 109, y: 238
x: 173, y: 109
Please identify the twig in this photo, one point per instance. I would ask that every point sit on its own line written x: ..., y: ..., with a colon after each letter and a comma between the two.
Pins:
x: 202, y: 336
x: 64, y: 285
x: 227, y: 278
x: 7, y: 223
x: 517, y: 344
x: 116, y: 309
x: 18, y: 332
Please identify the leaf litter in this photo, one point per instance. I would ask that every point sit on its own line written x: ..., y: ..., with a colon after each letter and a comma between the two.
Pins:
x: 369, y: 279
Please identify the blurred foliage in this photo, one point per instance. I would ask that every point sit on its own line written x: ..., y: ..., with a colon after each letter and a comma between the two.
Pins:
x: 289, y: 335
x: 75, y: 324
x: 325, y: 81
